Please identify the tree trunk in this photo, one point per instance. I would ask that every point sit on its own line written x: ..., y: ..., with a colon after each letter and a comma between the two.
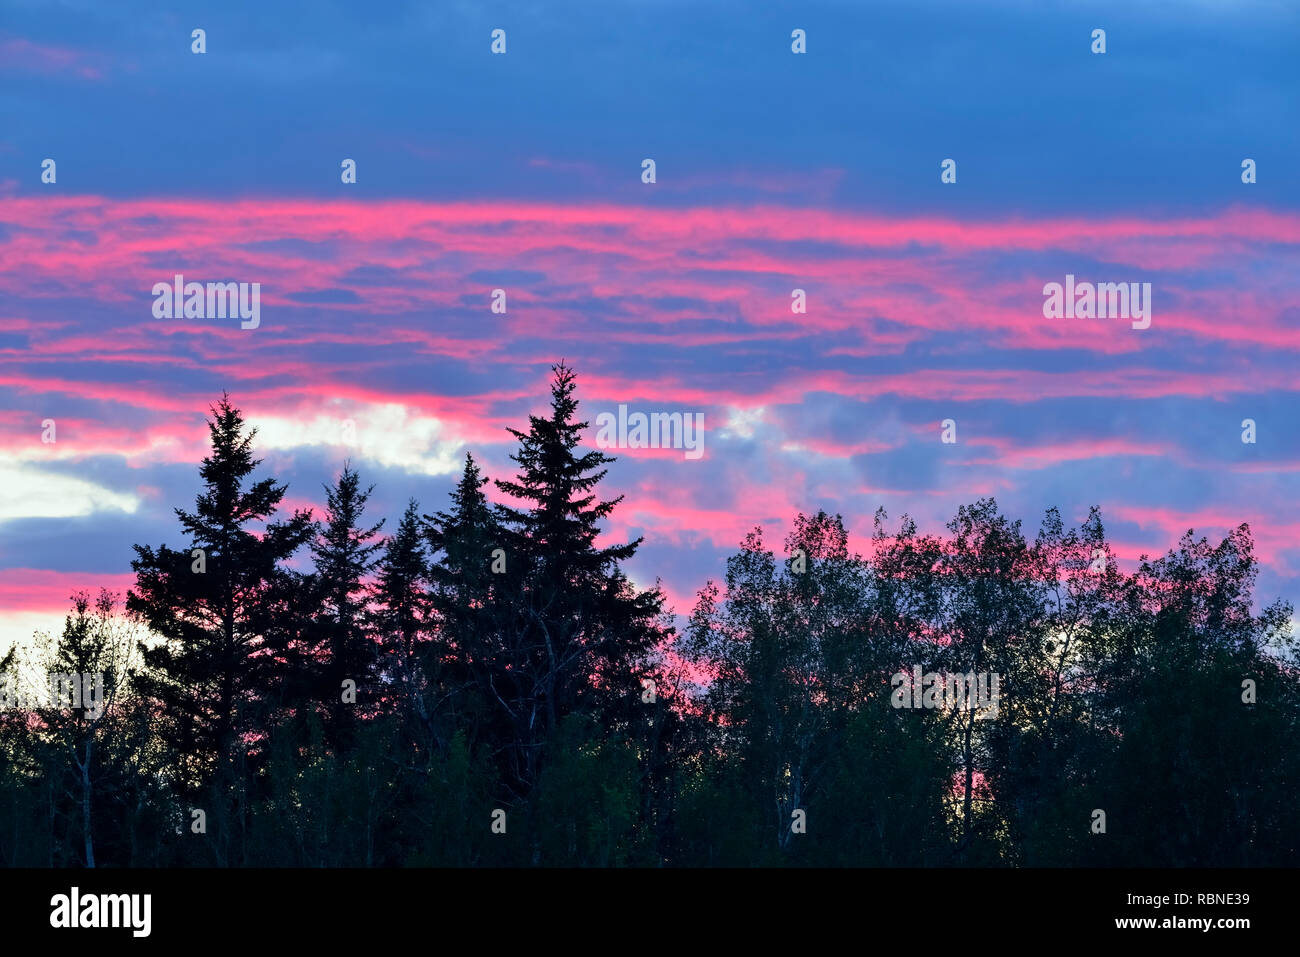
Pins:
x: 85, y: 804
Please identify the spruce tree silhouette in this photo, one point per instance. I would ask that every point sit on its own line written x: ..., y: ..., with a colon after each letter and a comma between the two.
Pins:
x: 401, y: 617
x: 472, y: 605
x: 212, y: 603
x: 580, y: 632
x: 344, y: 553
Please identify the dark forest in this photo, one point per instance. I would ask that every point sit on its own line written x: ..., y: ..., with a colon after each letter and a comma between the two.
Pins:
x: 482, y: 685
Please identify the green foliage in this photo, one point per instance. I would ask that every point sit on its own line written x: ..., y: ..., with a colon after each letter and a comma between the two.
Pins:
x: 584, y: 810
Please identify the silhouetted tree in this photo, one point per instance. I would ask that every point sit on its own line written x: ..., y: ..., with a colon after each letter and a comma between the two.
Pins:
x: 212, y: 605
x: 579, y: 632
x: 344, y: 553
x: 401, y: 614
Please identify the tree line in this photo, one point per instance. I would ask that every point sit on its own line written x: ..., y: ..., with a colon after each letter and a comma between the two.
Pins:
x: 484, y: 686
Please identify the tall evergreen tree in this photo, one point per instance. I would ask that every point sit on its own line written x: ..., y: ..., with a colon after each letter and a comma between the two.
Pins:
x: 212, y: 604
x: 580, y: 634
x: 401, y: 613
x: 344, y: 553
x: 469, y: 663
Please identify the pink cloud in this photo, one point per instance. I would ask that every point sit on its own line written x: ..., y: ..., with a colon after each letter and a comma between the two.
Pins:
x: 42, y: 590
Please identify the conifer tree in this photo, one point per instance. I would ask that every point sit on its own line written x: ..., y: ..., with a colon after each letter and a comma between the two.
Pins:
x: 581, y: 632
x: 344, y: 553
x: 213, y: 605
x: 401, y: 613
x: 474, y: 585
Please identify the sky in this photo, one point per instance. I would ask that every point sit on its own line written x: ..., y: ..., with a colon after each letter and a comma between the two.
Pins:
x: 774, y: 171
